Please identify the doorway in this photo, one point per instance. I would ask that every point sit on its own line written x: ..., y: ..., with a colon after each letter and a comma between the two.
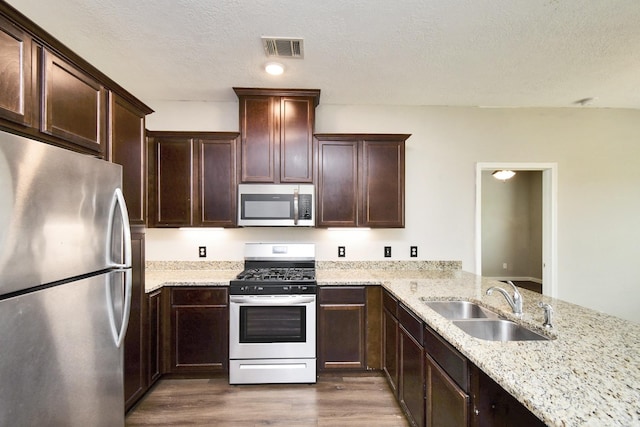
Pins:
x: 548, y: 263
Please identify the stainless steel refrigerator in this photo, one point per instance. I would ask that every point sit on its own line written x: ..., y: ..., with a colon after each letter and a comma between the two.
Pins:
x: 65, y: 287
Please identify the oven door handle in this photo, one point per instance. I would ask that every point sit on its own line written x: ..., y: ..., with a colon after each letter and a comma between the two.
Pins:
x: 272, y: 300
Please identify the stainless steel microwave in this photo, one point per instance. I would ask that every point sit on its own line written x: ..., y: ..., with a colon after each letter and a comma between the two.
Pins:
x: 276, y: 205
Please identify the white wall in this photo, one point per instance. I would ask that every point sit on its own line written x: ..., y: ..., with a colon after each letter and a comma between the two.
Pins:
x: 598, y: 157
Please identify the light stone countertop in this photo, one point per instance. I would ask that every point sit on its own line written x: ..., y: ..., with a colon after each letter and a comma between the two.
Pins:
x: 156, y: 279
x: 588, y: 375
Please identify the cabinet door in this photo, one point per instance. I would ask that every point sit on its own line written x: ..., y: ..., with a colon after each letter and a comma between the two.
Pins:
x: 495, y: 407
x: 217, y: 182
x: 296, y: 139
x: 341, y: 328
x: 155, y: 337
x: 390, y: 350
x: 411, y: 384
x: 170, y: 181
x: 258, y: 128
x: 73, y: 103
x: 447, y: 404
x: 135, y: 347
x: 337, y: 183
x: 199, y: 330
x: 127, y: 148
x: 15, y: 74
x: 382, y: 176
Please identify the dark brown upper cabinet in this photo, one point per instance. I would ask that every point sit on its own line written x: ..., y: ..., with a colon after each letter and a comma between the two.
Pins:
x: 170, y: 180
x: 127, y: 147
x: 192, y: 179
x: 49, y: 93
x: 15, y: 74
x: 276, y: 128
x: 73, y: 104
x: 360, y: 180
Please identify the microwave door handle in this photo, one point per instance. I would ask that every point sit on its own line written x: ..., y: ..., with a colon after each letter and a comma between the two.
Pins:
x: 295, y: 207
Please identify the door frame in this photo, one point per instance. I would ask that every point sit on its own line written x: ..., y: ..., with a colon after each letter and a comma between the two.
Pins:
x: 549, y: 218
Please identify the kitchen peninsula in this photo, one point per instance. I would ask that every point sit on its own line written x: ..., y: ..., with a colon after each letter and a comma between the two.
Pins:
x: 587, y: 374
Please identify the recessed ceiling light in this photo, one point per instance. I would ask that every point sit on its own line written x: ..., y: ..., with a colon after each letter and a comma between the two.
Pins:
x: 274, y: 68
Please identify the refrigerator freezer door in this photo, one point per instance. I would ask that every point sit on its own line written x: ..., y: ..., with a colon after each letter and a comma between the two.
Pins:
x: 55, y: 211
x: 63, y: 367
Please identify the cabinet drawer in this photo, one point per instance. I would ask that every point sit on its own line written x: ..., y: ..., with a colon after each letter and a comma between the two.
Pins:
x: 342, y: 295
x: 410, y: 323
x: 390, y: 303
x: 449, y: 359
x: 199, y: 296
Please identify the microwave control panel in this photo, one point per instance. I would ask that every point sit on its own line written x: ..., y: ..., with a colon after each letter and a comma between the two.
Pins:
x: 305, y: 205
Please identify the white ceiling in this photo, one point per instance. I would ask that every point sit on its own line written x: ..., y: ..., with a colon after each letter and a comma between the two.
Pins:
x: 496, y: 53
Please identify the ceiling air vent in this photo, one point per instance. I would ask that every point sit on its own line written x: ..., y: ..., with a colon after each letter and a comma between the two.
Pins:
x: 283, y: 47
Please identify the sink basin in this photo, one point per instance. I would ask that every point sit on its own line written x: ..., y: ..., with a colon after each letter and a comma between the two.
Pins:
x: 498, y: 330
x: 460, y: 310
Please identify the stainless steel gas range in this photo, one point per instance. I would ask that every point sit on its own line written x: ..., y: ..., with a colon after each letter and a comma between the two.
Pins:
x: 272, y: 318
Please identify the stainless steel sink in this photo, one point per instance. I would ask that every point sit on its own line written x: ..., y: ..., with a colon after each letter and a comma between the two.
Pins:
x: 460, y: 310
x: 498, y: 330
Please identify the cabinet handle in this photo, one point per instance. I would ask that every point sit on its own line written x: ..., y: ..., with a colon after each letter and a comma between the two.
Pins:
x: 295, y: 207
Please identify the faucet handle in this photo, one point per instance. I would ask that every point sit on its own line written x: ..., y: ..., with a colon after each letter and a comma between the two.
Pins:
x: 548, y: 314
x: 516, y: 293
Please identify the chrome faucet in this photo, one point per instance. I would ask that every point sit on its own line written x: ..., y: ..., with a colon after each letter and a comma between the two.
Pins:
x: 515, y: 302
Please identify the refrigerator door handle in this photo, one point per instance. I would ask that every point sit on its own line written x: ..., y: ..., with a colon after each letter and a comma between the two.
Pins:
x: 118, y: 336
x: 118, y: 200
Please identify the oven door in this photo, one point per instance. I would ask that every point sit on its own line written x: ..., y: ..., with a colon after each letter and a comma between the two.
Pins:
x: 272, y: 326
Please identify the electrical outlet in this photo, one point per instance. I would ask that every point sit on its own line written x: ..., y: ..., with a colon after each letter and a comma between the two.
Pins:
x: 504, y: 266
x: 387, y: 251
x: 202, y: 251
x: 342, y: 252
x: 413, y: 251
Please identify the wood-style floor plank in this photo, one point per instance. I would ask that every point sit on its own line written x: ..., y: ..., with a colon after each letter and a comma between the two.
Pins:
x: 335, y: 401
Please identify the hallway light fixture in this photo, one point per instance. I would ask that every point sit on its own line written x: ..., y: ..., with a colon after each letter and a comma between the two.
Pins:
x: 503, y: 174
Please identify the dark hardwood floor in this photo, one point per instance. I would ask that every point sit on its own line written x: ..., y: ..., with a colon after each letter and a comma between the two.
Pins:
x: 349, y: 400
x: 526, y: 284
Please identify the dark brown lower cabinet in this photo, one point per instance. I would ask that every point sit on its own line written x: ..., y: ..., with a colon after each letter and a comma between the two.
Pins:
x: 447, y: 403
x: 154, y: 302
x: 411, y: 385
x: 494, y: 407
x: 447, y: 383
x: 390, y: 344
x: 135, y: 342
x: 434, y: 383
x: 199, y: 325
x: 341, y: 327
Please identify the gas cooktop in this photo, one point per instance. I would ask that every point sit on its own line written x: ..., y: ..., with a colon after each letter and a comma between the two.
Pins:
x: 282, y: 268
x: 277, y: 274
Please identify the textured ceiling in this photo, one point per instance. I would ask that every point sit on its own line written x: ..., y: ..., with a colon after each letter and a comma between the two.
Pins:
x: 496, y: 53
